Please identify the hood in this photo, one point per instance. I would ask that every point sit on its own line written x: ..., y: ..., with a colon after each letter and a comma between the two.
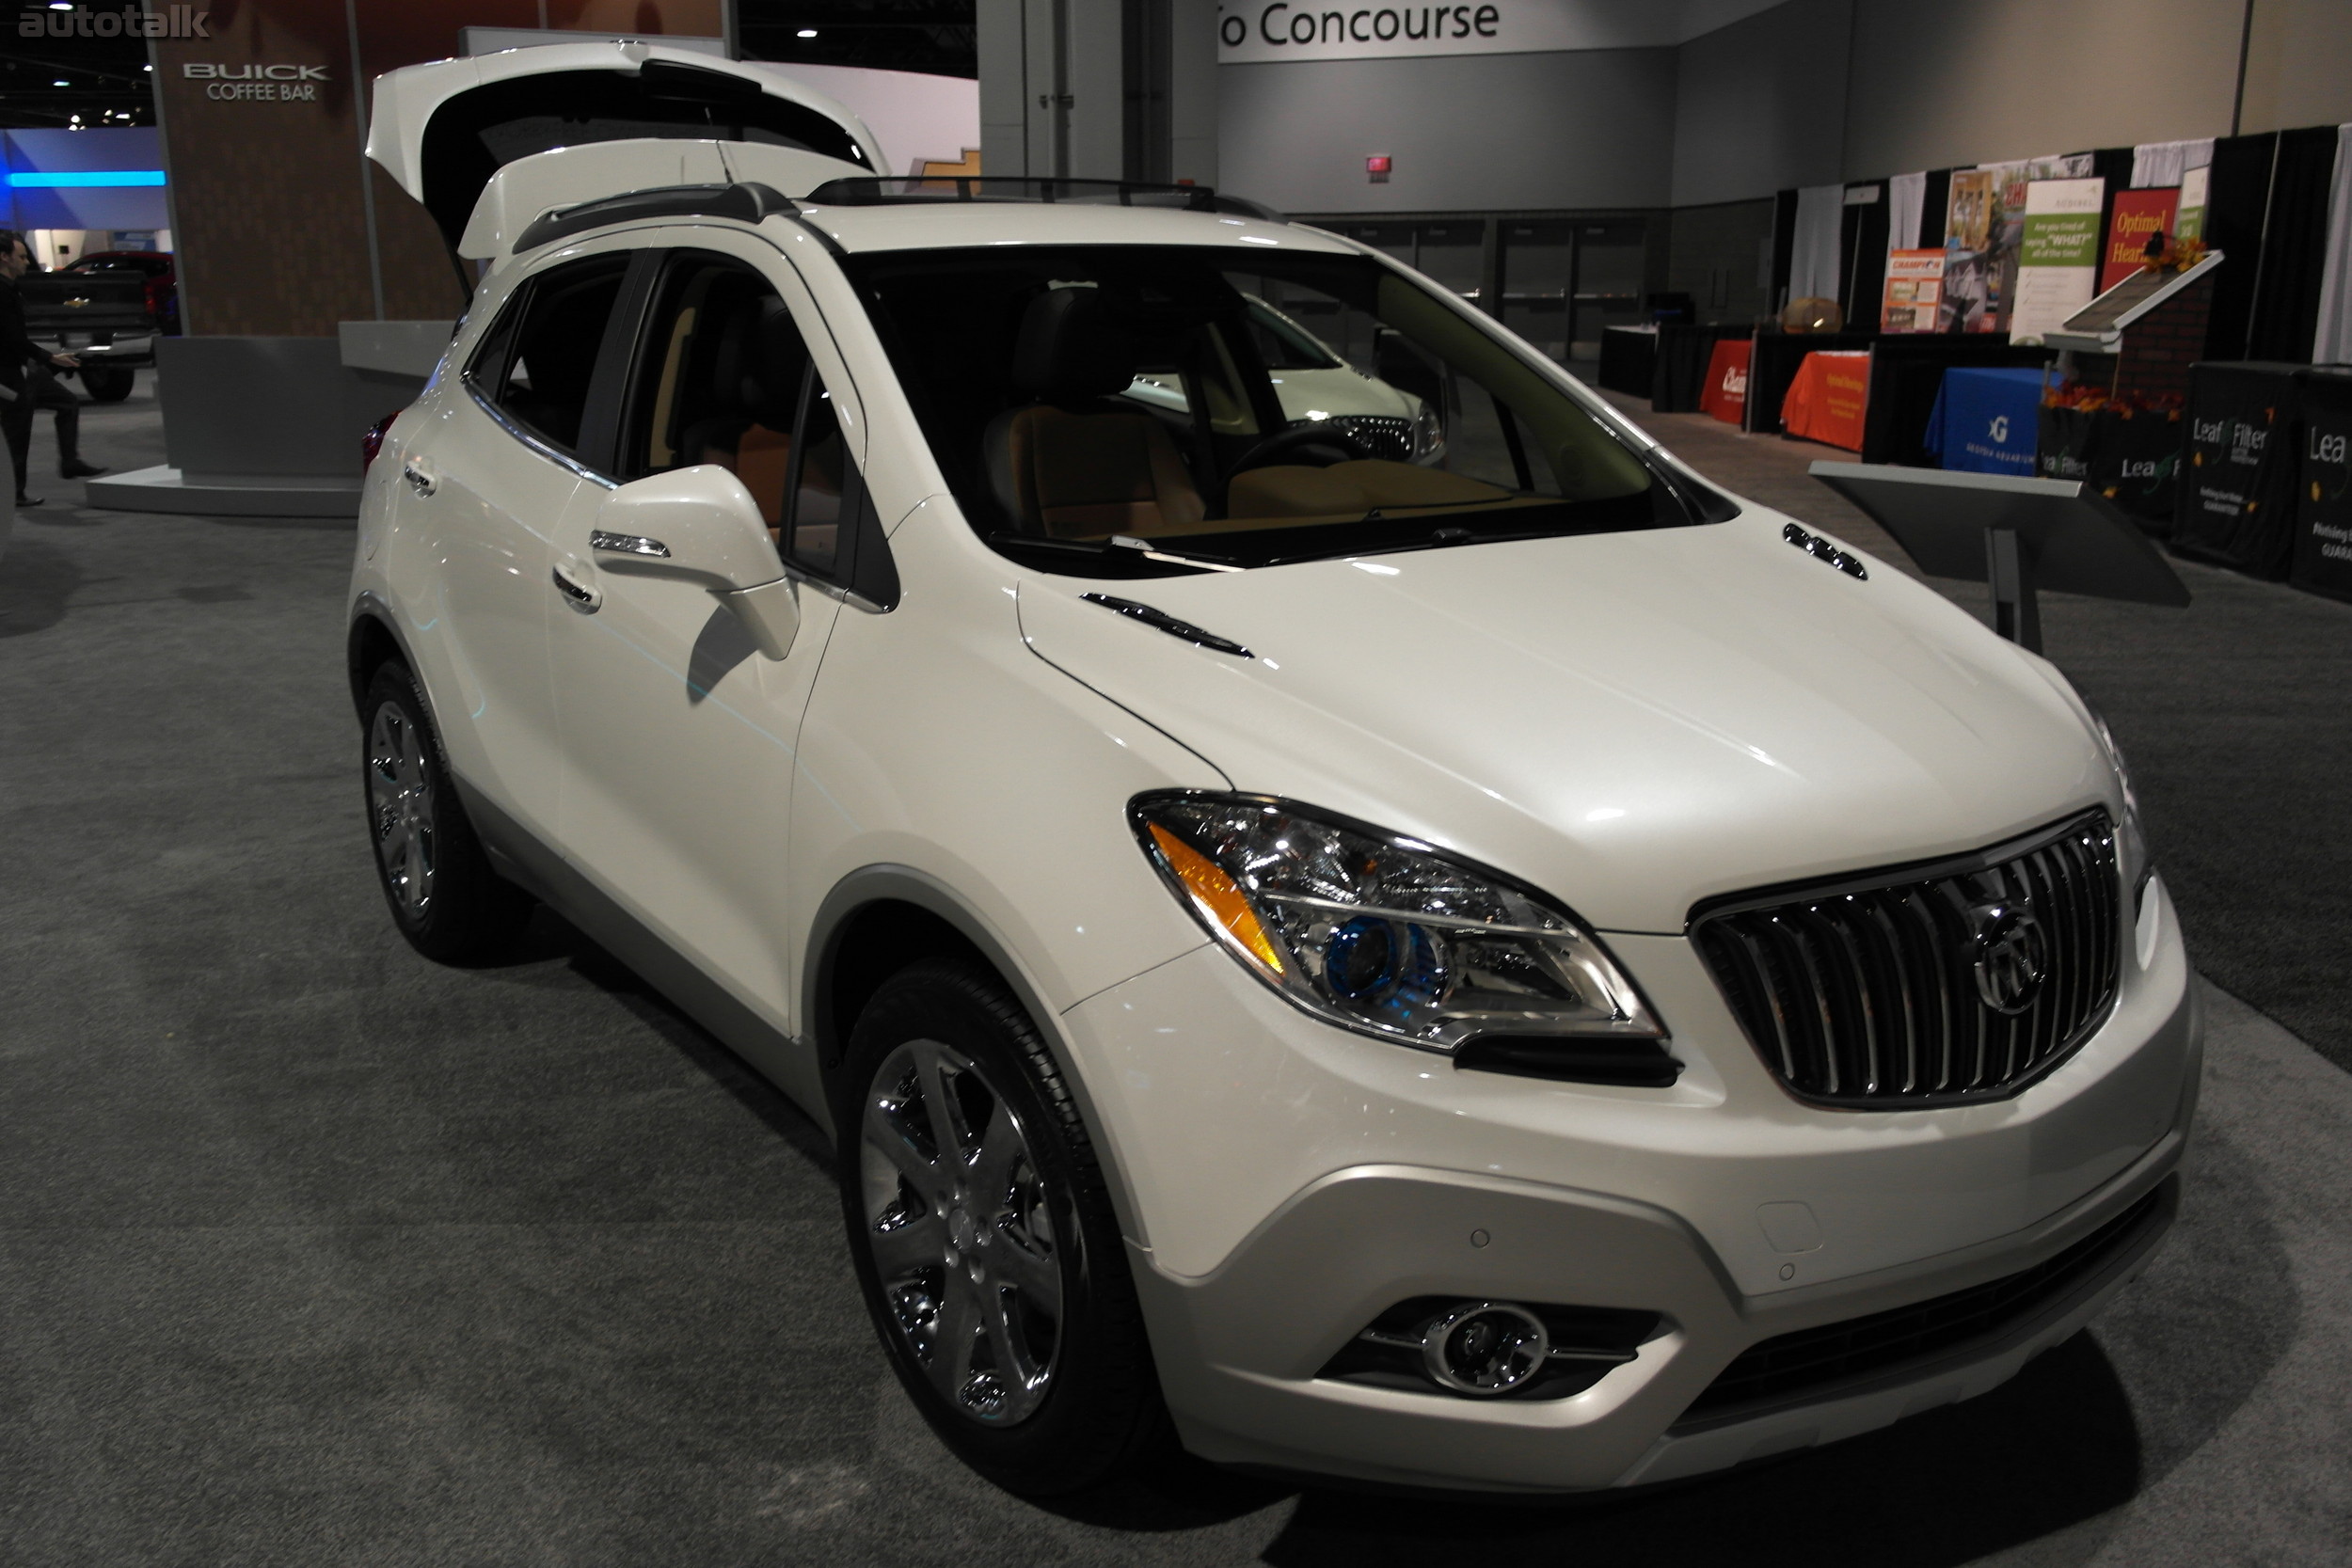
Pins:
x: 1632, y: 722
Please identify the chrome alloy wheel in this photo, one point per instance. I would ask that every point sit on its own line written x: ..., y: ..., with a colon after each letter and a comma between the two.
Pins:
x: 962, y: 1242
x: 400, y: 802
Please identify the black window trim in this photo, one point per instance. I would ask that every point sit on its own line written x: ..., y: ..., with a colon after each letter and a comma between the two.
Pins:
x: 600, y: 410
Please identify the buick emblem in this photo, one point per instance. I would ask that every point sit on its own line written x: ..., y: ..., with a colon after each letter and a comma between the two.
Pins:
x: 2011, y: 956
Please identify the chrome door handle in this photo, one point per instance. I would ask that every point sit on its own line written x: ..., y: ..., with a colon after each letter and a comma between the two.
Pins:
x: 420, y: 478
x: 581, y: 597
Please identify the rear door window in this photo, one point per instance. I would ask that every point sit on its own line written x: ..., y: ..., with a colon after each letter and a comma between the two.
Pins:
x: 539, y: 360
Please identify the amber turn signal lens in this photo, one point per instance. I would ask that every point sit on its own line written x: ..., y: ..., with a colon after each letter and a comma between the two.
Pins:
x: 1220, y: 896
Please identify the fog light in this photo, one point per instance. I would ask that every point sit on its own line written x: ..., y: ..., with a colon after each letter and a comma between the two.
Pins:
x: 1485, y: 1347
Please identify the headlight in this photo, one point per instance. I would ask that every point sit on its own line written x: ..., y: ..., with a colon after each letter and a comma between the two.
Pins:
x: 1387, y: 937
x: 2131, y: 840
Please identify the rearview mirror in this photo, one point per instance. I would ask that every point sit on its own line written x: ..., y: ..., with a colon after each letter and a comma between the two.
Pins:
x: 702, y: 524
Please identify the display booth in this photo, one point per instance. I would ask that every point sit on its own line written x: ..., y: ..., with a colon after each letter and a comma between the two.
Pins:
x: 1828, y: 398
x: 2322, y: 495
x: 1725, y: 393
x: 1987, y: 420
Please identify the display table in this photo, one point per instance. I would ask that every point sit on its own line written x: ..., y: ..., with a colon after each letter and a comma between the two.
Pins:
x: 2235, y: 505
x: 1628, y: 360
x: 1986, y: 422
x: 2323, y: 504
x: 1828, y: 397
x: 1683, y: 352
x: 1726, y: 394
x: 1774, y: 365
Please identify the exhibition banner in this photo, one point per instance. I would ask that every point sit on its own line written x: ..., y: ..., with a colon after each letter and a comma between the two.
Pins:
x: 1829, y: 398
x: 1258, y: 31
x: 1914, y: 287
x: 1726, y: 393
x: 2188, y: 223
x: 1984, y: 231
x: 2059, y: 257
x: 2139, y: 216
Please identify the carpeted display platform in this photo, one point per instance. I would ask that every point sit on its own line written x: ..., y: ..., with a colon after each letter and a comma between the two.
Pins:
x: 315, y: 1253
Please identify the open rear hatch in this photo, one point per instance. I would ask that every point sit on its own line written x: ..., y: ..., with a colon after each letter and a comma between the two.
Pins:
x: 443, y: 129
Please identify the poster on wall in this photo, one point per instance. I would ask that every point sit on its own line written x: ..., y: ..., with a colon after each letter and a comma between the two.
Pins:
x: 2059, y: 257
x: 2188, y: 222
x: 1914, y: 290
x: 1984, y: 233
x: 2140, y: 216
x: 1969, y: 279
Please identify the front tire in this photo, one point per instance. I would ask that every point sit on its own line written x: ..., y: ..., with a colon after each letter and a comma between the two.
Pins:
x: 436, y: 881
x: 983, y: 1237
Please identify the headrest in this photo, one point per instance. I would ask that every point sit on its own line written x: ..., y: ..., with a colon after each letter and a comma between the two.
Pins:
x: 1071, y: 348
x: 757, y: 370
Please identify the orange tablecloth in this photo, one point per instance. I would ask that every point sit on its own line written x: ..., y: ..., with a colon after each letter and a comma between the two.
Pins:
x: 1825, y: 402
x: 1727, y: 394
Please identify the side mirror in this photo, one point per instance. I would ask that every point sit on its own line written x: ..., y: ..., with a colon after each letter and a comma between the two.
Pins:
x: 702, y: 524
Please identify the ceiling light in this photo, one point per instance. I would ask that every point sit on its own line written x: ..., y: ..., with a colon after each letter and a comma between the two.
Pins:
x: 60, y: 5
x: 60, y: 81
x: 805, y: 33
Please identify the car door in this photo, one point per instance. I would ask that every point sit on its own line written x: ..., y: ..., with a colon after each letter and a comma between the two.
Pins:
x: 678, y: 734
x: 489, y: 476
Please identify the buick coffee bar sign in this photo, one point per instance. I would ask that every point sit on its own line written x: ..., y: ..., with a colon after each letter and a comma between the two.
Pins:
x: 1255, y: 31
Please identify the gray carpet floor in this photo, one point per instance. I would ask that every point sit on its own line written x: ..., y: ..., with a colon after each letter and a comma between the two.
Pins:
x: 315, y: 1253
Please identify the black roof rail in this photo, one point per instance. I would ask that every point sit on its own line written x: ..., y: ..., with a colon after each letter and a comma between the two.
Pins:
x: 889, y: 190
x: 745, y: 203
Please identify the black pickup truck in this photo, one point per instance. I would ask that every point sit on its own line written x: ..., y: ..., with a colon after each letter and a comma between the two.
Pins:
x: 101, y: 319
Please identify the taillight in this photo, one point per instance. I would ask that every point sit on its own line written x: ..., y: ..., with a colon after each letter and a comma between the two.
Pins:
x: 372, y: 442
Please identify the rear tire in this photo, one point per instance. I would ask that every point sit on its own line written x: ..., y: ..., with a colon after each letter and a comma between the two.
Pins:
x: 108, y: 383
x: 983, y: 1237
x: 436, y: 877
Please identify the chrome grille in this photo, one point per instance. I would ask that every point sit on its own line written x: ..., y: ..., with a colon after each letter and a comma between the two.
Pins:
x: 1912, y: 987
x: 1386, y: 435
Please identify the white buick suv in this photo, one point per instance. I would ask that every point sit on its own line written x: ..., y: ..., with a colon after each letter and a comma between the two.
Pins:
x: 1424, y: 942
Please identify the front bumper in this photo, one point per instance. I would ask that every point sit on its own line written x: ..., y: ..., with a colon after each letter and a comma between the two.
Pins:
x: 1238, y: 1353
x: 1288, y: 1183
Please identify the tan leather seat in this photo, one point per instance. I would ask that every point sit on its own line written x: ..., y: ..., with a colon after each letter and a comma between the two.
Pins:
x: 1077, y: 463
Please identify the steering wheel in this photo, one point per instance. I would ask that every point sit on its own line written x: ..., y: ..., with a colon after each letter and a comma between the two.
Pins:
x: 1282, y: 443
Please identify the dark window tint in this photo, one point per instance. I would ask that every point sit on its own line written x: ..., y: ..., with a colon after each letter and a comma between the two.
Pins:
x: 538, y: 360
x: 818, y: 477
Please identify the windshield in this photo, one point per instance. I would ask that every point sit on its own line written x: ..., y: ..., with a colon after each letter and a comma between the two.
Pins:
x: 1119, y: 409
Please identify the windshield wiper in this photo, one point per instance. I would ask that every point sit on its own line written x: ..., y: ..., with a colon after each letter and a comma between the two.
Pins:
x: 1099, y: 548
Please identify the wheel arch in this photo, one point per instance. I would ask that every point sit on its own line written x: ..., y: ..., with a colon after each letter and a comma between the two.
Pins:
x: 372, y: 640
x: 880, y: 918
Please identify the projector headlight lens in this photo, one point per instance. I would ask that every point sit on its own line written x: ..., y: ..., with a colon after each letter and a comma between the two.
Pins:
x: 1383, y: 934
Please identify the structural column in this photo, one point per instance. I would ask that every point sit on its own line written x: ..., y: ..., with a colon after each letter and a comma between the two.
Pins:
x: 1099, y: 89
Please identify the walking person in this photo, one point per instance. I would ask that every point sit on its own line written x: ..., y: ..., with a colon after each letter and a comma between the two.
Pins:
x: 28, y: 374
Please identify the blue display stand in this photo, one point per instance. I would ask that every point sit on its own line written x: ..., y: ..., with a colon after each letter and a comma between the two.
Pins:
x: 1984, y: 421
